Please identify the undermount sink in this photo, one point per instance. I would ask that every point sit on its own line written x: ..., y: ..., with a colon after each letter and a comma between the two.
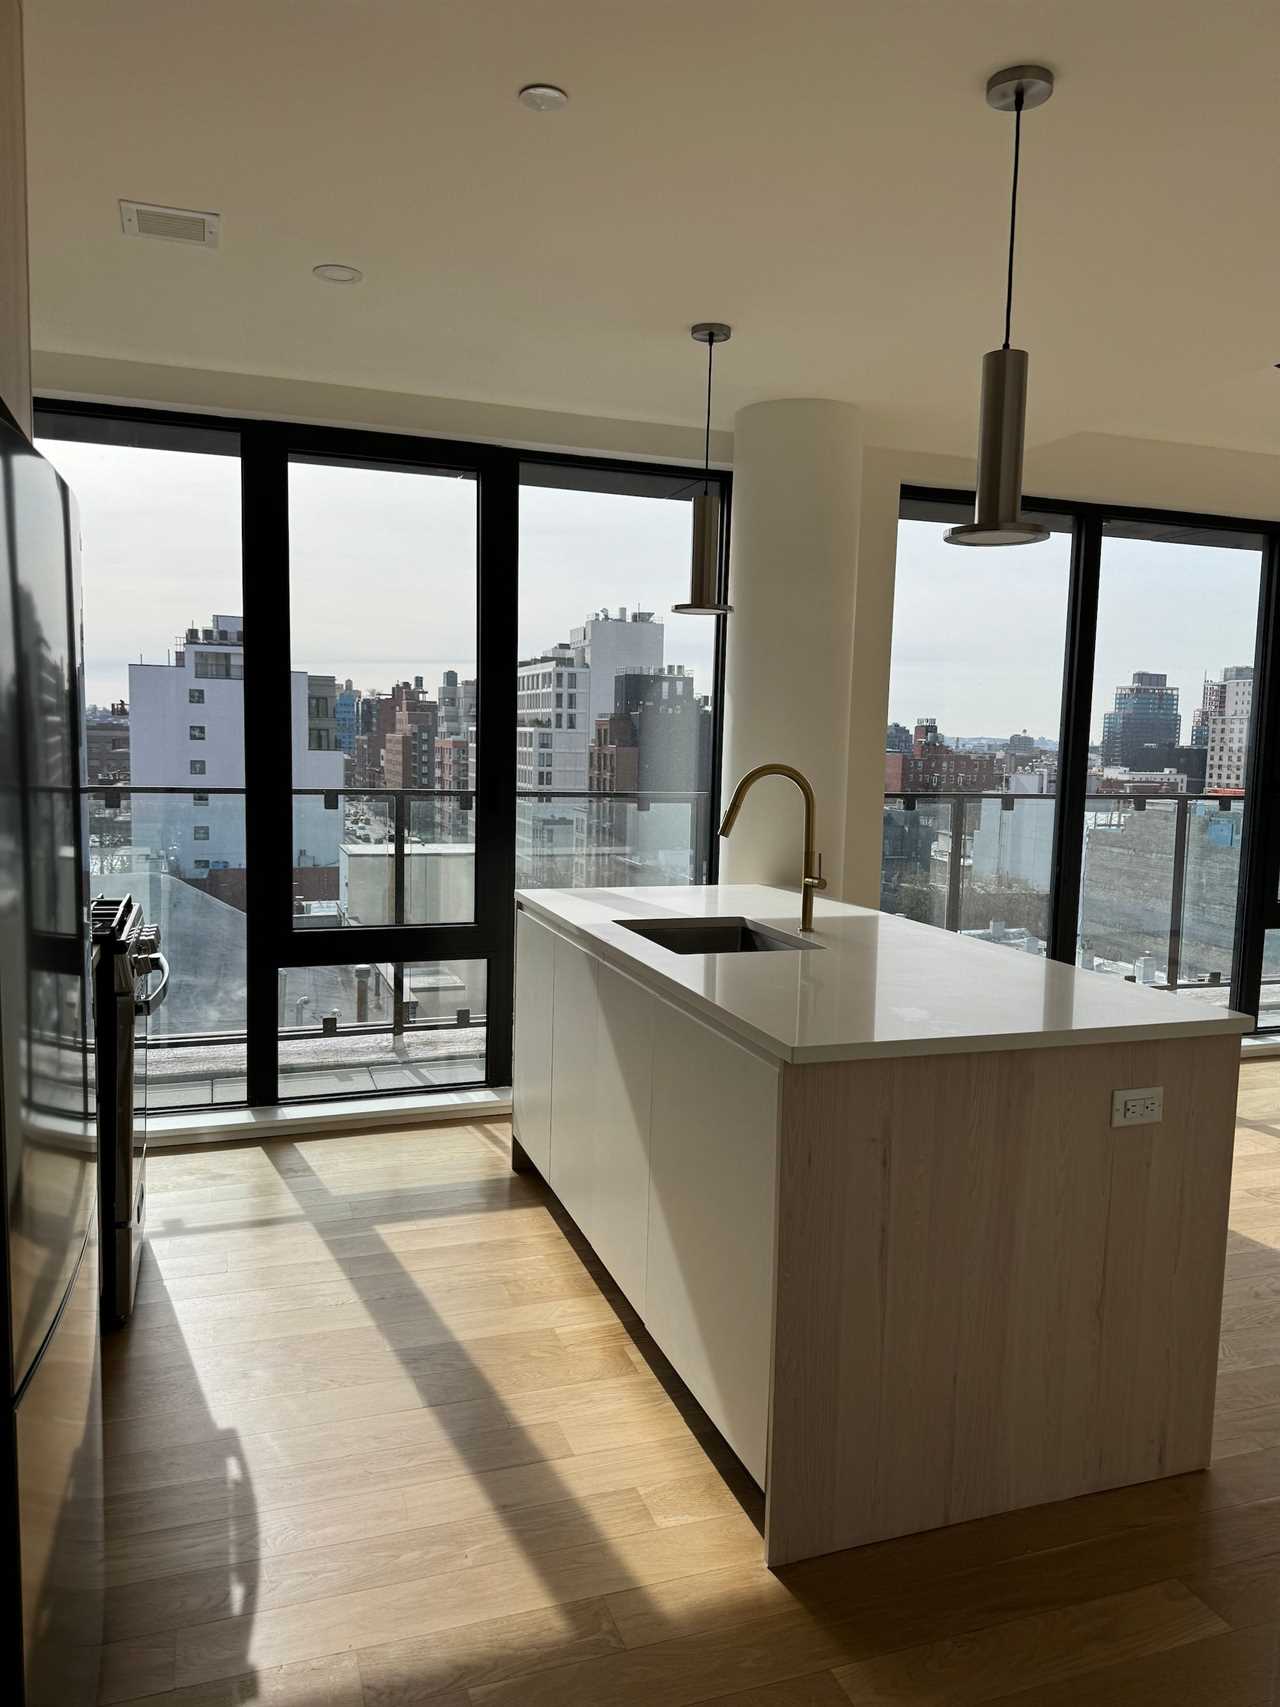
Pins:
x: 715, y: 936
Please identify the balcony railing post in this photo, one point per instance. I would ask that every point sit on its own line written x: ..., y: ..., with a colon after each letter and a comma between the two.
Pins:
x: 955, y: 865
x: 1177, y: 895
x: 398, y: 806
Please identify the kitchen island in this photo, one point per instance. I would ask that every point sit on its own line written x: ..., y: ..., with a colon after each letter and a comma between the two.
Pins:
x: 864, y: 1189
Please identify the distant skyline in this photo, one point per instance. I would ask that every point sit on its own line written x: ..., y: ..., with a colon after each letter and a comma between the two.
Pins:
x: 978, y: 636
x: 382, y: 582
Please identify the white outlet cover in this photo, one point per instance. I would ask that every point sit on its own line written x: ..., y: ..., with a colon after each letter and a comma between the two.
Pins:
x: 1143, y: 1106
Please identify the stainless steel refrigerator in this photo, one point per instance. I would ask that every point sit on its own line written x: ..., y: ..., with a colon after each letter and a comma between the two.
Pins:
x: 51, y: 1426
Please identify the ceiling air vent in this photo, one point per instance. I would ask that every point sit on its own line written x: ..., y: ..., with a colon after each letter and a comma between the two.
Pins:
x: 176, y: 224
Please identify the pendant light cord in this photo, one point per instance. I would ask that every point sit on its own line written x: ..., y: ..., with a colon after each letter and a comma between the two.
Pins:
x: 706, y: 439
x: 1013, y: 216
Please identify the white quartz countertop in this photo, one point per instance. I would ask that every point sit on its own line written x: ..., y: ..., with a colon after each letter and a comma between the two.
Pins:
x: 875, y: 985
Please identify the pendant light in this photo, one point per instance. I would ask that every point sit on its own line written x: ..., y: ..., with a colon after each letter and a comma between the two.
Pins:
x: 705, y: 573
x: 997, y: 515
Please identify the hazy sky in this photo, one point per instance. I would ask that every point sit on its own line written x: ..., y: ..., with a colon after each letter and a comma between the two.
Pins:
x: 978, y: 635
x: 382, y: 579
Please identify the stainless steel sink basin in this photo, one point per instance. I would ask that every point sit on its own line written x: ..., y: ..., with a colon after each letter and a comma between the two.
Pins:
x: 715, y: 936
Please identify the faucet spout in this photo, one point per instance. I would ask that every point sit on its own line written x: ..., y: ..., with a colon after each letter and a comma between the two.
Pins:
x: 811, y: 877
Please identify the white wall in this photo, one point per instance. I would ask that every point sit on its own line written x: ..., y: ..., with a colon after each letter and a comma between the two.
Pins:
x: 791, y: 583
x: 15, y: 330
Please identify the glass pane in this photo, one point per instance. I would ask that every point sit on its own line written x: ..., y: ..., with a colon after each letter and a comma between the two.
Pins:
x: 353, y: 880
x: 384, y: 684
x: 1007, y: 858
x: 962, y: 718
x: 1269, y: 995
x: 1126, y: 887
x: 351, y: 1030
x: 971, y: 750
x: 1172, y: 705
x: 343, y: 859
x: 181, y: 857
x: 915, y: 869
x: 440, y: 860
x: 587, y: 843
x: 164, y: 686
x: 158, y: 528
x: 614, y: 691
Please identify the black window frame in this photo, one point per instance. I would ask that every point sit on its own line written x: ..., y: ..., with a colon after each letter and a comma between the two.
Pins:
x: 1258, y: 893
x: 265, y: 449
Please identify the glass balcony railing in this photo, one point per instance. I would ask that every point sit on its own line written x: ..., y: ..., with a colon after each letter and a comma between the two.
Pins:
x: 181, y: 856
x: 1159, y: 878
x: 609, y: 840
x: 383, y: 856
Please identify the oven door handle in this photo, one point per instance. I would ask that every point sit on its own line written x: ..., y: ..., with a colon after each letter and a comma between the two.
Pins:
x: 152, y: 1000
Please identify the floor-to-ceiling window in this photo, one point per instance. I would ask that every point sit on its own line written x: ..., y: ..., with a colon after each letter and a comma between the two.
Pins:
x: 1070, y: 740
x: 971, y: 747
x: 317, y: 751
x: 1171, y: 711
x: 163, y: 674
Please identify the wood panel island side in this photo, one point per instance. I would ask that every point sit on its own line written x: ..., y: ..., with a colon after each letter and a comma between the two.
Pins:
x: 867, y: 1197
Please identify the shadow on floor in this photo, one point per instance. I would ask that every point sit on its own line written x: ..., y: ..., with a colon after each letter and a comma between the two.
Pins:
x: 214, y: 1594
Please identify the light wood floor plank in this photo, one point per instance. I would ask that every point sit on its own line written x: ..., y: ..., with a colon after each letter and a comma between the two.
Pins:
x: 372, y: 1616
x: 434, y: 1668
x: 330, y: 1682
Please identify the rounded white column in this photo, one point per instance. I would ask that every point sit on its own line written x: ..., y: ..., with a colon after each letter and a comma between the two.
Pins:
x: 797, y: 467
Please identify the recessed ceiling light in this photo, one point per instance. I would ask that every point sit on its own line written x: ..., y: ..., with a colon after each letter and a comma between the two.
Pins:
x: 543, y: 98
x: 333, y: 272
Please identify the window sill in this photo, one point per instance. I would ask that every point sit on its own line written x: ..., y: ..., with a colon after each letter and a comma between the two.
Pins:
x: 221, y: 1126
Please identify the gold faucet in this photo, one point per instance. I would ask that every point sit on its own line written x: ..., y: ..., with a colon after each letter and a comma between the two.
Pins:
x: 811, y: 877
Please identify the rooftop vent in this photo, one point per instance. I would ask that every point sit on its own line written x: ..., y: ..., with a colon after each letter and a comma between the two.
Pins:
x: 176, y: 224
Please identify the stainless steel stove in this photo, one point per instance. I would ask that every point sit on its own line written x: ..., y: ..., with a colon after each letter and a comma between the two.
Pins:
x: 126, y: 952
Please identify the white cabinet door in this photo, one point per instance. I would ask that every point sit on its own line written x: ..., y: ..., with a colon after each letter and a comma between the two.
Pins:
x: 531, y: 1071
x: 573, y: 1083
x: 624, y: 1069
x: 709, y: 1272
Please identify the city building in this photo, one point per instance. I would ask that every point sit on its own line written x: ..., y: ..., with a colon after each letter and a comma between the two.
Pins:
x: 457, y: 702
x: 897, y: 738
x: 609, y: 644
x: 186, y: 731
x: 409, y: 748
x: 1122, y: 779
x: 322, y: 722
x: 553, y: 700
x: 1226, y: 729
x: 346, y: 717
x: 107, y: 743
x: 933, y: 767
x: 656, y: 738
x: 1144, y: 726
x: 563, y: 692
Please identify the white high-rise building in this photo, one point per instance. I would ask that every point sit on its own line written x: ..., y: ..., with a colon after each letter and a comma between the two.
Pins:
x: 553, y: 698
x: 561, y: 693
x: 186, y: 731
x: 611, y: 645
x: 1227, y: 735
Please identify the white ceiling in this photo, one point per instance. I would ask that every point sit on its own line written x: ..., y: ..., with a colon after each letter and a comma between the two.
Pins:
x: 822, y: 173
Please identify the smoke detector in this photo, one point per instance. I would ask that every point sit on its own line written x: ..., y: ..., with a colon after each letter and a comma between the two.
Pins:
x: 174, y: 224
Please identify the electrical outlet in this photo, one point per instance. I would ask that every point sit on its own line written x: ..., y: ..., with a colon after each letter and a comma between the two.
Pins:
x: 1138, y: 1108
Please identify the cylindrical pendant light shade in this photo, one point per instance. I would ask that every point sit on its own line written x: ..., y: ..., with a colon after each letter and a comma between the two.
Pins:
x: 997, y: 515
x: 704, y: 599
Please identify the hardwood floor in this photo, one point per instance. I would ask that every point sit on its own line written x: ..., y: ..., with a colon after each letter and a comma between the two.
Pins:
x: 382, y: 1434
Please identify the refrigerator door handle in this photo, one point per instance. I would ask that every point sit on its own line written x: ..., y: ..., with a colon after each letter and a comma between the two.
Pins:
x: 154, y: 998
